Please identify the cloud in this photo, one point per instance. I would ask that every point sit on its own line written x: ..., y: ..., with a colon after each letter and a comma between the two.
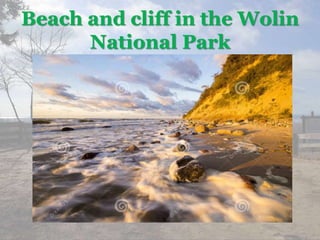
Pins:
x: 242, y: 37
x: 55, y: 90
x: 298, y: 8
x: 306, y: 66
x: 119, y: 88
x: 185, y: 69
x: 220, y: 59
x: 166, y: 101
x: 59, y: 59
x: 153, y: 81
x: 135, y: 102
x: 124, y: 58
x: 306, y: 61
x: 108, y: 103
x: 110, y: 87
x: 43, y: 72
x: 147, y: 78
x: 139, y: 95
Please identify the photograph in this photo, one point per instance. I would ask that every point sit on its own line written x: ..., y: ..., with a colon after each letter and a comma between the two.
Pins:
x: 162, y: 138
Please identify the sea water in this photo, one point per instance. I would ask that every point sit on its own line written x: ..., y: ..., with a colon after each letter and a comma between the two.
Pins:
x: 121, y: 186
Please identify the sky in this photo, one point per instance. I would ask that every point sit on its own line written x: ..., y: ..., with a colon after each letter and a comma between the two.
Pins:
x: 120, y: 86
x: 300, y: 41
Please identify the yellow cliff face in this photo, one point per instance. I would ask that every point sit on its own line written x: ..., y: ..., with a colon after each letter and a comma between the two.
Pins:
x: 249, y: 87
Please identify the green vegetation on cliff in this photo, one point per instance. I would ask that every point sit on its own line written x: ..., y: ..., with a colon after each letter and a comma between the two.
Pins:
x: 249, y: 86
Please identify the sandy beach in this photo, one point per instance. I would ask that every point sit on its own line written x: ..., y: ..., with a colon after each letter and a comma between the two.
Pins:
x: 272, y: 156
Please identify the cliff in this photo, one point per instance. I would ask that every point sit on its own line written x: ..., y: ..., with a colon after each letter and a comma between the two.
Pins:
x: 248, y: 87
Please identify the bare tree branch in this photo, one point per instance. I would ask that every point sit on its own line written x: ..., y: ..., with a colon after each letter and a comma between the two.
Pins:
x: 36, y: 42
x: 6, y: 80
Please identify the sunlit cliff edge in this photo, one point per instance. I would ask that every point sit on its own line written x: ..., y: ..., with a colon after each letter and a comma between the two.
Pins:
x: 257, y: 87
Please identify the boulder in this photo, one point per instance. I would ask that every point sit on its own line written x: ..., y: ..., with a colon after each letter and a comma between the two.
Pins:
x: 228, y: 122
x: 224, y: 131
x: 211, y: 125
x: 249, y: 181
x: 238, y: 133
x: 260, y: 149
x: 65, y: 129
x: 186, y: 169
x: 242, y: 121
x: 142, y: 142
x: 155, y: 142
x: 175, y: 135
x: 106, y: 126
x: 158, y: 213
x: 89, y: 155
x: 132, y: 148
x: 201, y: 128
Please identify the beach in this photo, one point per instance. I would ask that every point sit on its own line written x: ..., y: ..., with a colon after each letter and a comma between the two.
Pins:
x: 264, y: 149
x: 118, y: 170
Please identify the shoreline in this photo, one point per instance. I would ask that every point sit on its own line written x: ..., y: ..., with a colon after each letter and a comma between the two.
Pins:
x: 84, y: 179
x: 267, y: 154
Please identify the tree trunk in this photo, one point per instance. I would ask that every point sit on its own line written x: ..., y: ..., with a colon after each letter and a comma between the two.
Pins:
x: 12, y: 104
x: 31, y: 105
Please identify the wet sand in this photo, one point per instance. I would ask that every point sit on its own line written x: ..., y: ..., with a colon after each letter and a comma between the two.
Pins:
x: 273, y: 161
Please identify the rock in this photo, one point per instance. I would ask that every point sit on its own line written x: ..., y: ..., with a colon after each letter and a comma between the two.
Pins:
x: 85, y: 120
x: 157, y: 214
x: 194, y: 133
x: 89, y: 155
x: 186, y: 169
x: 132, y: 148
x: 228, y: 122
x: 161, y: 133
x: 142, y: 143
x: 238, y: 133
x: 203, y: 151
x: 41, y: 121
x: 249, y: 181
x: 175, y: 135
x: 243, y: 121
x: 155, y: 142
x: 201, y: 128
x: 106, y: 126
x: 211, y: 125
x: 65, y: 129
x: 260, y: 150
x: 183, y: 161
x: 224, y: 131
